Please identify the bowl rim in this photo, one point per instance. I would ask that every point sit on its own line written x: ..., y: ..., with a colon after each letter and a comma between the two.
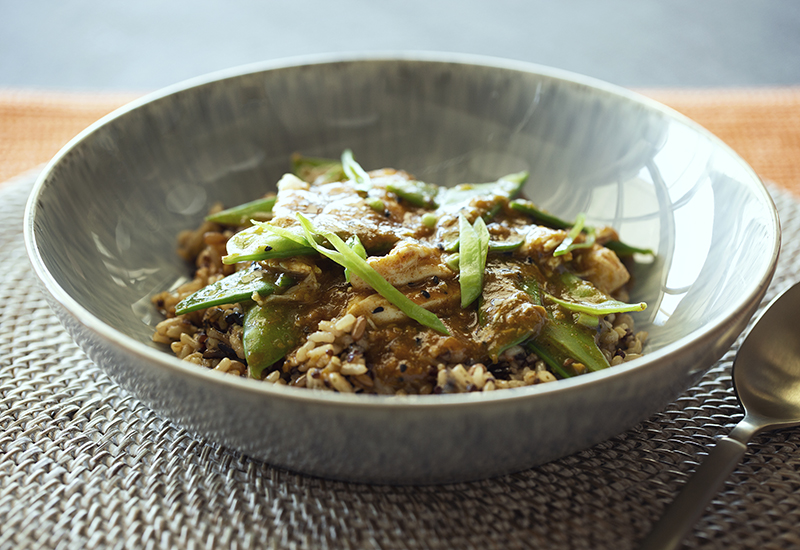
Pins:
x: 692, y: 341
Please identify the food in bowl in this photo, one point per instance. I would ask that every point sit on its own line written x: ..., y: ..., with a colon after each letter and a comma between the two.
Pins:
x: 380, y: 283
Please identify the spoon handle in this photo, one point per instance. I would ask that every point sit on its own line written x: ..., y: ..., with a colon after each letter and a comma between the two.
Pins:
x: 686, y: 509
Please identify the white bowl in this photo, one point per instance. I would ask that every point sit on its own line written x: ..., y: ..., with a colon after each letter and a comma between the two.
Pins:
x: 103, y: 217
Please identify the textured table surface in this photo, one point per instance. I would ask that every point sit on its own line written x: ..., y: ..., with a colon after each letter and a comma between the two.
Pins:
x: 83, y: 465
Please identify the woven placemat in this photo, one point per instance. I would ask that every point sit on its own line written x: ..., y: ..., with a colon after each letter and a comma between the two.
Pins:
x: 84, y: 465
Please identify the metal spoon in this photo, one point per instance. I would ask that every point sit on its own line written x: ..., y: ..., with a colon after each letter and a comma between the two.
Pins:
x: 766, y: 377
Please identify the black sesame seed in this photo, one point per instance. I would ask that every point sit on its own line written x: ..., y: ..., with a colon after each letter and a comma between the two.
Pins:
x: 436, y: 279
x: 426, y: 293
x: 267, y: 248
x: 403, y: 367
x: 234, y: 318
x: 226, y: 349
x: 440, y: 246
x: 377, y: 309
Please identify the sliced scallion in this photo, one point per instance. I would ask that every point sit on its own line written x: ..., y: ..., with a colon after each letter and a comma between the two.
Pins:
x: 353, y: 170
x: 355, y: 243
x: 569, y: 244
x: 349, y: 259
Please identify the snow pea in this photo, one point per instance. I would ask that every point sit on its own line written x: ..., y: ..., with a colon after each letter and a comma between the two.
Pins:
x: 543, y: 217
x: 259, y: 209
x: 582, y: 296
x: 417, y: 193
x: 319, y: 170
x: 270, y: 332
x: 540, y: 216
x: 561, y: 341
x: 235, y: 288
x: 623, y: 250
x: 453, y: 199
x: 472, y: 251
x: 262, y: 241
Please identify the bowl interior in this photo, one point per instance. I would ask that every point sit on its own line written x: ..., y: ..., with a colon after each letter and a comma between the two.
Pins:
x: 106, y: 213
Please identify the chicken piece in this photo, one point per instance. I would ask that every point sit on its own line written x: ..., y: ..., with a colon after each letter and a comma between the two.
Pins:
x: 345, y: 209
x: 508, y: 314
x: 603, y: 268
x: 407, y: 263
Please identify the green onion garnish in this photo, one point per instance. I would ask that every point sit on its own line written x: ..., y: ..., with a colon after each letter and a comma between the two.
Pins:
x: 349, y: 259
x: 353, y: 170
x: 569, y: 244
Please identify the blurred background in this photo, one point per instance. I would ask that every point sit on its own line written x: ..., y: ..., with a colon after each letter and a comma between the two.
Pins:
x: 731, y: 65
x: 146, y: 44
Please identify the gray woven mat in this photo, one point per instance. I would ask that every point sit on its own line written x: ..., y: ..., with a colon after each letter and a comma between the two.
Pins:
x: 84, y: 465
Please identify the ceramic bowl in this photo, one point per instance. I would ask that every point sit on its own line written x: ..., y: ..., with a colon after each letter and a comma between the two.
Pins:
x: 103, y: 217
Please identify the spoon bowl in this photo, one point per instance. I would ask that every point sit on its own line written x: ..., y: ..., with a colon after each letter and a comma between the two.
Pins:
x: 766, y: 377
x: 766, y: 372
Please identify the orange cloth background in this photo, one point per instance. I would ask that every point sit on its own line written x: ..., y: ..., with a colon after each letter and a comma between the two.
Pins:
x: 762, y: 125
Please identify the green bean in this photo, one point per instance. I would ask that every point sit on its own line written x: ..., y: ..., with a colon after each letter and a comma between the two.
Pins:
x: 269, y: 333
x: 235, y: 288
x: 259, y: 209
